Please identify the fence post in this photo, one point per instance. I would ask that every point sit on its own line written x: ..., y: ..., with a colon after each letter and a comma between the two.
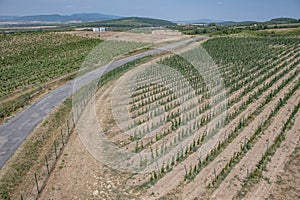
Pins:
x: 36, y: 183
x: 62, y: 137
x: 47, y: 165
x: 77, y: 112
x: 185, y: 171
x: 73, y: 116
x: 55, y: 149
x: 215, y: 173
x: 68, y: 127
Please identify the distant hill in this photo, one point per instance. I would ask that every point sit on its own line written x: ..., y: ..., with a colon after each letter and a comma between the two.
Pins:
x: 283, y: 20
x: 133, y: 22
x: 219, y: 22
x: 56, y: 18
x: 200, y: 21
x: 232, y: 23
x: 272, y: 21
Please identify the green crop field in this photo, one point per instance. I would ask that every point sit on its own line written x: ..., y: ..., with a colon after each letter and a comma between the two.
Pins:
x: 29, y: 61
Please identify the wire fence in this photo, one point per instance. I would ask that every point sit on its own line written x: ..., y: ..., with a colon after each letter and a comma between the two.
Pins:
x: 49, y: 162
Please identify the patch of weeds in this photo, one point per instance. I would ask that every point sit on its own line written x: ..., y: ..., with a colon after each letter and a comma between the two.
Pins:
x: 279, y: 180
x: 267, y: 179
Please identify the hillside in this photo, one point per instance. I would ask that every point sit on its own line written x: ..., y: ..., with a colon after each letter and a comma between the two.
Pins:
x: 134, y: 22
x: 283, y: 20
x: 81, y: 17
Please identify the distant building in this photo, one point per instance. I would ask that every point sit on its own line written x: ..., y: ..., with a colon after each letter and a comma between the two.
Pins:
x: 199, y: 24
x: 100, y: 29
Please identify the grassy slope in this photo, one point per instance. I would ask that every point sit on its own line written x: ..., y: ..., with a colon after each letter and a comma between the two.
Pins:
x: 134, y: 22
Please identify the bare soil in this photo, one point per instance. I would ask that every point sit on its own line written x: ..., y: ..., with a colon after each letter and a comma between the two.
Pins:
x: 155, y: 37
x: 79, y: 175
x: 288, y: 181
x: 281, y: 179
x: 233, y: 182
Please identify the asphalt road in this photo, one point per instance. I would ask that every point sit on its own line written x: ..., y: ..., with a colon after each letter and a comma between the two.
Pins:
x: 14, y: 131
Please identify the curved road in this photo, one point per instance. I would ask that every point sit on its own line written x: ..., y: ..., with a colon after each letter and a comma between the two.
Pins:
x: 14, y: 131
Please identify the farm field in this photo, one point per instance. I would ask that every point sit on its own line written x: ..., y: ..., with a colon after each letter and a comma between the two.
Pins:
x: 33, y: 64
x: 222, y: 126
x: 158, y: 37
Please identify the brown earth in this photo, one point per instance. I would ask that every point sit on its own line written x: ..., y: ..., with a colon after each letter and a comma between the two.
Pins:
x: 134, y: 37
x: 80, y: 176
x: 281, y: 179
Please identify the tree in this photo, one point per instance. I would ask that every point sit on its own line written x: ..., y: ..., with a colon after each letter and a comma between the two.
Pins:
x: 212, y: 24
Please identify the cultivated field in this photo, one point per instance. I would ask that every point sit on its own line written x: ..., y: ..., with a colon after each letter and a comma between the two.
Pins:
x: 33, y: 64
x: 222, y: 123
x: 157, y: 37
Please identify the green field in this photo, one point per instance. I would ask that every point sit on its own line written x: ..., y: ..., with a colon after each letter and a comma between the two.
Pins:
x: 31, y: 59
x: 29, y: 62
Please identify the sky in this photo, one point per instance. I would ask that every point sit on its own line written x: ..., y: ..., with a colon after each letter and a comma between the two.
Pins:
x: 175, y: 10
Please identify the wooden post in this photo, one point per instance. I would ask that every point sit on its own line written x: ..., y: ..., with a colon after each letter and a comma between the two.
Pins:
x: 73, y: 120
x: 62, y: 137
x: 185, y: 171
x: 77, y: 113
x: 47, y: 165
x: 36, y: 183
x: 68, y: 127
x: 215, y: 173
x: 55, y: 149
x: 247, y: 172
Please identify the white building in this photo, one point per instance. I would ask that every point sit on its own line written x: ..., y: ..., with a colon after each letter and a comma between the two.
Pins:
x: 100, y: 29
